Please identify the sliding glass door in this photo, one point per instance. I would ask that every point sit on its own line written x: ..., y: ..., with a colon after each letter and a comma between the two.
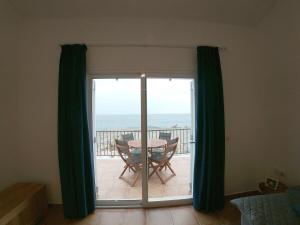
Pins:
x: 169, y: 134
x: 142, y: 132
x: 117, y: 110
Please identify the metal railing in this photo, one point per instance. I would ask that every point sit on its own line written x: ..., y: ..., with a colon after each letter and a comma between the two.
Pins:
x: 105, y: 139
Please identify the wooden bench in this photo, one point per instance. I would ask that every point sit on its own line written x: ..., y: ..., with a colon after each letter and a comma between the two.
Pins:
x: 23, y: 204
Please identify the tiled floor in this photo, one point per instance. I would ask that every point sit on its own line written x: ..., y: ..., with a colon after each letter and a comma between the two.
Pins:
x: 183, y: 215
x: 111, y: 187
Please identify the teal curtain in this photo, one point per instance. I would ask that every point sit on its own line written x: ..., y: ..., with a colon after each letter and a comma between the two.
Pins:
x: 208, y: 184
x: 74, y: 146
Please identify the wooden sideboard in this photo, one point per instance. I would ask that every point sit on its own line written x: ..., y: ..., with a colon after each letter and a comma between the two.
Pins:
x: 23, y: 204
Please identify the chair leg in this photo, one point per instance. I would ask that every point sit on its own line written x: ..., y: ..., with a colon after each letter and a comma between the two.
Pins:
x: 170, y: 168
x: 155, y: 169
x: 161, y: 179
x: 168, y: 178
x: 160, y: 168
x: 130, y: 168
x: 133, y: 169
x: 136, y: 178
x: 125, y: 168
x: 164, y: 166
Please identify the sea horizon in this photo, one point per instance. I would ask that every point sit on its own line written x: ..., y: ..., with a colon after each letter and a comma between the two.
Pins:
x: 133, y: 121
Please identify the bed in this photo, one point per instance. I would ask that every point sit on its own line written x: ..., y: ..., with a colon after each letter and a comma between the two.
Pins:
x: 272, y: 209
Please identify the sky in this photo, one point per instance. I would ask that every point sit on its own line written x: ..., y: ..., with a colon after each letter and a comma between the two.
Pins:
x: 122, y: 96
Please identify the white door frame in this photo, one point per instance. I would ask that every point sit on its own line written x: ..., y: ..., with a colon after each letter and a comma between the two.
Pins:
x: 144, y: 201
x: 144, y: 139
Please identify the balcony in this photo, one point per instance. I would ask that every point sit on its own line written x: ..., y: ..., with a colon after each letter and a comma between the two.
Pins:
x: 105, y: 140
x: 109, y: 166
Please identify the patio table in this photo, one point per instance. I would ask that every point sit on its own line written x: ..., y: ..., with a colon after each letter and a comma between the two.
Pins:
x: 152, y: 143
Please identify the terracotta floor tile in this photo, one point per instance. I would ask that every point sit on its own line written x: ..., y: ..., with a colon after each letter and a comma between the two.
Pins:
x: 109, y: 169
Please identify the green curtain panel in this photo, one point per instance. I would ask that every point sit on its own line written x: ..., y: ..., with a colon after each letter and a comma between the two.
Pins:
x: 74, y: 146
x: 208, y: 184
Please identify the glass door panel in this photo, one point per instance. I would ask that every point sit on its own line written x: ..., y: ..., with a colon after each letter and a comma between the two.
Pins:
x: 143, y: 140
x: 169, y: 134
x: 117, y: 115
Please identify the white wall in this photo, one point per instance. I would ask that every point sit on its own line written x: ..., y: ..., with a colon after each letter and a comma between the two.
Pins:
x: 139, y: 59
x: 279, y: 36
x: 245, y: 89
x: 8, y: 96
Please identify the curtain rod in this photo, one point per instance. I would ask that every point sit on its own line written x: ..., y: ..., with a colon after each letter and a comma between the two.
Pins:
x: 151, y: 46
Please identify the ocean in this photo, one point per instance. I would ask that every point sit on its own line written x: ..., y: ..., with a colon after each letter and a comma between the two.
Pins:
x: 115, y: 122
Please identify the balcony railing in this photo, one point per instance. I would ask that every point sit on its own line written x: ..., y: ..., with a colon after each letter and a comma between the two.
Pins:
x: 105, y: 139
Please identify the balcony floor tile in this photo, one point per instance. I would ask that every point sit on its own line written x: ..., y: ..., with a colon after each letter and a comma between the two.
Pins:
x: 111, y: 187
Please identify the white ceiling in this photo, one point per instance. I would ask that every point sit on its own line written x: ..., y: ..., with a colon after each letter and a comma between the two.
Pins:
x: 236, y: 12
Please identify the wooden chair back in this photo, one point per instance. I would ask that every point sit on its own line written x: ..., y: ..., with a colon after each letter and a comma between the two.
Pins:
x: 127, y: 137
x: 125, y: 154
x: 123, y: 150
x: 170, y: 148
x: 164, y: 136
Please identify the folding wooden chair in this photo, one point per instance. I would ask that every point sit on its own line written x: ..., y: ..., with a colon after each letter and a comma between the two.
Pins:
x: 158, y: 160
x: 132, y: 162
x: 163, y: 136
x: 169, y: 142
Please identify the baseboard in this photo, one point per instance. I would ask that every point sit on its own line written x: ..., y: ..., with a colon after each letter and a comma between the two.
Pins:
x: 242, y: 194
x: 227, y: 197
